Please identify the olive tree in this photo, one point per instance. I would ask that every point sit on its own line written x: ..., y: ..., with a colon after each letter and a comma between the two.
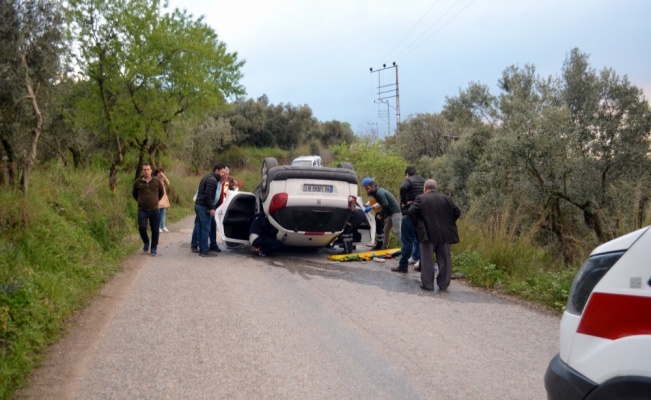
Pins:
x: 31, y: 44
x: 568, y: 152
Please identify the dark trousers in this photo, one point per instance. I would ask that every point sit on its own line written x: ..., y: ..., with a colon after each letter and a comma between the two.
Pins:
x: 153, y: 217
x: 267, y: 244
x: 443, y: 259
x: 354, y: 221
x: 379, y: 231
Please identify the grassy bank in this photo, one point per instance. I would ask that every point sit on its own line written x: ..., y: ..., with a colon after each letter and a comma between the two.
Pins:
x: 58, y: 246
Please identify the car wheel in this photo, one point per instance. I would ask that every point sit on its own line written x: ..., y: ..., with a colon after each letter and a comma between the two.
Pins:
x: 345, y: 165
x: 267, y: 165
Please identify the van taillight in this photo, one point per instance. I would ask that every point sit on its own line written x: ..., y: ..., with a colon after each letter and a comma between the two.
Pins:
x: 589, y: 275
x: 277, y: 202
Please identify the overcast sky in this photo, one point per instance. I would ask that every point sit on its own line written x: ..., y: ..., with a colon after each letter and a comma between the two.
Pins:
x: 318, y: 53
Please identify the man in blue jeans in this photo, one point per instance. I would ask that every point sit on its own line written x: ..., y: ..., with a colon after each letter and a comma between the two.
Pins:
x: 147, y: 191
x: 208, y: 195
x: 411, y: 187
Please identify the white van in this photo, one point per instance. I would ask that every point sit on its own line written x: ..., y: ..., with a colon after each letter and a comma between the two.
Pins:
x: 308, y: 161
x: 605, y: 332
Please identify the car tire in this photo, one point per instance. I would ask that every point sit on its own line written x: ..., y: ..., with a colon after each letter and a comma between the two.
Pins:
x: 267, y: 165
x: 345, y: 165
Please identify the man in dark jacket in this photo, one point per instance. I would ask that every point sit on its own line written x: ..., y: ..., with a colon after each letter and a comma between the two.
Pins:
x: 435, y: 215
x: 148, y: 190
x: 208, y: 194
x: 411, y: 187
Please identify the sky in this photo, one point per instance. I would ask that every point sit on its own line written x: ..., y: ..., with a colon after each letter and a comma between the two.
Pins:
x: 319, y: 53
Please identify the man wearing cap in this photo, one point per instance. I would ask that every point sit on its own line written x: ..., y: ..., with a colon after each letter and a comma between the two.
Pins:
x: 387, y: 205
x: 379, y: 222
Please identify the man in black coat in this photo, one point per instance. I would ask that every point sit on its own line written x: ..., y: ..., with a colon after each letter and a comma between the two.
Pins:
x: 435, y: 215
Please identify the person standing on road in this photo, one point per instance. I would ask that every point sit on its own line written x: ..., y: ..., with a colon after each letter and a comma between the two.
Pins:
x: 164, y: 202
x: 386, y: 203
x: 147, y: 191
x: 434, y: 215
x: 411, y: 187
x: 208, y: 194
x: 224, y: 174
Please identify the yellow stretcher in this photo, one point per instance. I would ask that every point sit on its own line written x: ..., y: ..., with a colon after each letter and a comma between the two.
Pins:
x: 365, y: 255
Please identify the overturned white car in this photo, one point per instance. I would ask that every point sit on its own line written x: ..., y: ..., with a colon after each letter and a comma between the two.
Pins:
x: 308, y: 206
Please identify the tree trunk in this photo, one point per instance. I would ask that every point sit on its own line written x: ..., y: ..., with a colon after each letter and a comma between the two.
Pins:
x: 9, y: 170
x: 61, y: 153
x: 36, y: 130
x: 641, y: 210
x: 113, y: 176
x: 593, y: 221
x: 76, y: 157
x: 553, y: 223
x: 143, y: 155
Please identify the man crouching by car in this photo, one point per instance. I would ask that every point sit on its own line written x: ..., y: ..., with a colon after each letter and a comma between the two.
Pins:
x: 262, y: 236
x: 355, y: 219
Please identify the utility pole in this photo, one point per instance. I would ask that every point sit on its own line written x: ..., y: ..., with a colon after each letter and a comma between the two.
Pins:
x: 386, y: 92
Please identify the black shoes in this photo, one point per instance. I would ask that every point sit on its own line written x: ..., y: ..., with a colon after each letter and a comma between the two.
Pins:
x: 215, y: 249
x: 208, y: 254
x: 398, y: 269
x: 424, y: 288
x: 145, y: 248
x: 195, y: 249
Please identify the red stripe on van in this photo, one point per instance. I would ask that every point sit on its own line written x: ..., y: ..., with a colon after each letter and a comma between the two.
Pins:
x: 614, y: 316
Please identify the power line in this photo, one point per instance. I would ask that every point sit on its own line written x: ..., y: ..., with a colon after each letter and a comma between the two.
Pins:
x: 414, y: 44
x: 386, y: 57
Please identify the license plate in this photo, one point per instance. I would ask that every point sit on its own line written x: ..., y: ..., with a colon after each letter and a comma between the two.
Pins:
x: 317, y: 188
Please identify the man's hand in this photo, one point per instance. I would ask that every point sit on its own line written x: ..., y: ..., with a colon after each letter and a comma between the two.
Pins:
x: 212, y: 213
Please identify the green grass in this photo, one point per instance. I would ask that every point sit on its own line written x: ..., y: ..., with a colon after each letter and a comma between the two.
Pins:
x: 493, y: 257
x: 58, y: 246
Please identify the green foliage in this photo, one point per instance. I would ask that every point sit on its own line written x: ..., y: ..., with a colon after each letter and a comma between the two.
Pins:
x: 375, y: 160
x: 497, y: 256
x: 147, y: 69
x: 425, y: 135
x: 58, y: 247
x: 567, y: 152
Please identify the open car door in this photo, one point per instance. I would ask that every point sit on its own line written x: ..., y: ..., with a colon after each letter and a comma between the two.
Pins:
x: 234, y: 217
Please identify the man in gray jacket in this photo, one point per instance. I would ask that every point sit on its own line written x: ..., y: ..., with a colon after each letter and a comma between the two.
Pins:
x: 434, y: 215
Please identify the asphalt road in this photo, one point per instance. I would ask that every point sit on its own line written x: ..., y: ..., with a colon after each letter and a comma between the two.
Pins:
x: 294, y: 326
